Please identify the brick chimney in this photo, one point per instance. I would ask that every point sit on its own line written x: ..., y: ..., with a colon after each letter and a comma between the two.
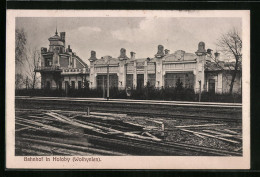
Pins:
x: 167, y: 51
x: 92, y: 56
x: 122, y: 54
x: 69, y: 49
x: 160, y: 52
x: 201, y: 48
x: 217, y: 56
x: 132, y: 55
x: 62, y: 36
x: 43, y: 50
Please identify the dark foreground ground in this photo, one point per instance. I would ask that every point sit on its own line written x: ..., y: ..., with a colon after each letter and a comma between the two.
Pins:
x: 64, y: 128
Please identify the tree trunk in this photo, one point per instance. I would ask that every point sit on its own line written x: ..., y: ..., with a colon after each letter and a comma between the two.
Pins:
x: 34, y: 81
x: 232, y: 82
x: 233, y: 77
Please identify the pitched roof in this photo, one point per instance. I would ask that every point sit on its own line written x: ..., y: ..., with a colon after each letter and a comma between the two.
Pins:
x: 81, y: 61
x: 55, y: 37
x: 180, y: 55
x: 221, y: 65
x: 103, y: 60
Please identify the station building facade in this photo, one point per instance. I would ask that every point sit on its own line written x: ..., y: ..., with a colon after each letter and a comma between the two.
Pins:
x: 62, y: 69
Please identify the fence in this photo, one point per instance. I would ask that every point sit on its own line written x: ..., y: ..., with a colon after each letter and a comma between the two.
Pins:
x: 147, y: 93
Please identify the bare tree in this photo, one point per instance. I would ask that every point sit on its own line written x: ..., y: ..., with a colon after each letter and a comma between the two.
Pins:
x: 32, y: 58
x: 20, y: 46
x: 230, y: 45
x: 19, y: 81
x: 26, y: 60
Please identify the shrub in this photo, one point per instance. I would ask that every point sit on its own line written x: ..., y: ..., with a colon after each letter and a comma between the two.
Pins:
x: 146, y: 93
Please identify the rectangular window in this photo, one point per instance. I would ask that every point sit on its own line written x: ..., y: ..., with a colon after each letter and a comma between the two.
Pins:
x: 48, y: 62
x: 186, y: 79
x: 102, y: 80
x: 151, y: 79
x: 129, y: 81
x: 113, y: 80
x: 79, y: 85
x: 67, y: 84
x: 140, y: 81
x: 189, y: 80
x: 73, y: 84
x: 212, y: 85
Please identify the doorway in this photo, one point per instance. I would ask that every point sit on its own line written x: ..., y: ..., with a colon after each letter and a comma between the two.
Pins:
x: 140, y: 81
x: 212, y: 85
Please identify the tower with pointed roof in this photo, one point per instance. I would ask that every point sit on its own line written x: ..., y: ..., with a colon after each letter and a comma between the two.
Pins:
x: 57, y: 42
x: 59, y: 64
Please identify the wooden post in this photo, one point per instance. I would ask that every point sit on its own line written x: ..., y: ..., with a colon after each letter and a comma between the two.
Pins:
x: 162, y: 133
x: 107, y: 81
x: 162, y: 126
x: 103, y: 83
x: 199, y: 90
x: 88, y: 111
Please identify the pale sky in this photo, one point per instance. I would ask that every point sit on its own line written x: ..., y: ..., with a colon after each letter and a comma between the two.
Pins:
x: 107, y: 35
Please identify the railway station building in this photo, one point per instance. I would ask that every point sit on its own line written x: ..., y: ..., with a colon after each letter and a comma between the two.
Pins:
x: 62, y: 69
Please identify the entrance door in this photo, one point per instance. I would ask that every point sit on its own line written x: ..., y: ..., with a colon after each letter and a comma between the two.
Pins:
x: 79, y: 85
x: 67, y: 86
x: 140, y: 81
x: 48, y: 85
x: 212, y: 85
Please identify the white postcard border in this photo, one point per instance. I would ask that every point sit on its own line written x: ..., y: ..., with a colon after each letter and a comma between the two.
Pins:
x: 127, y: 162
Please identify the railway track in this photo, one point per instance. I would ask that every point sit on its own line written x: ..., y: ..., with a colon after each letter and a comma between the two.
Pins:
x: 45, y: 132
x: 132, y: 147
x: 125, y: 101
x: 226, y: 113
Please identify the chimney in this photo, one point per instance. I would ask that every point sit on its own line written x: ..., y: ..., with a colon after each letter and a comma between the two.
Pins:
x: 132, y: 55
x: 123, y: 54
x: 209, y: 51
x: 43, y: 50
x: 160, y: 52
x: 92, y: 56
x: 62, y: 36
x: 69, y: 49
x: 167, y: 51
x: 217, y: 56
x: 201, y: 47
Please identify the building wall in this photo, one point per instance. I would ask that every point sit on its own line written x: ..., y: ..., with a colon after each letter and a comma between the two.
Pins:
x: 73, y: 78
x: 78, y: 64
x: 163, y: 70
x: 209, y: 77
x: 222, y: 82
x: 237, y: 87
x: 64, y: 62
x: 52, y: 79
x: 159, y: 74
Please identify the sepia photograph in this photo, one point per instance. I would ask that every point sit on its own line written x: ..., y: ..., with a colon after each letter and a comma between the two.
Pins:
x: 128, y: 89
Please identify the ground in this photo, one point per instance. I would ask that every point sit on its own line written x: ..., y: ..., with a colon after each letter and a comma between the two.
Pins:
x: 63, y: 132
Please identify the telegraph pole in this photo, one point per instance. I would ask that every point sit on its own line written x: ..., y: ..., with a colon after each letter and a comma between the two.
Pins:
x: 108, y: 80
x: 103, y: 83
x: 200, y: 91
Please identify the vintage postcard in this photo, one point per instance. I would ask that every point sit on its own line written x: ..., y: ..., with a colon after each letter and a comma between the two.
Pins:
x: 128, y: 89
